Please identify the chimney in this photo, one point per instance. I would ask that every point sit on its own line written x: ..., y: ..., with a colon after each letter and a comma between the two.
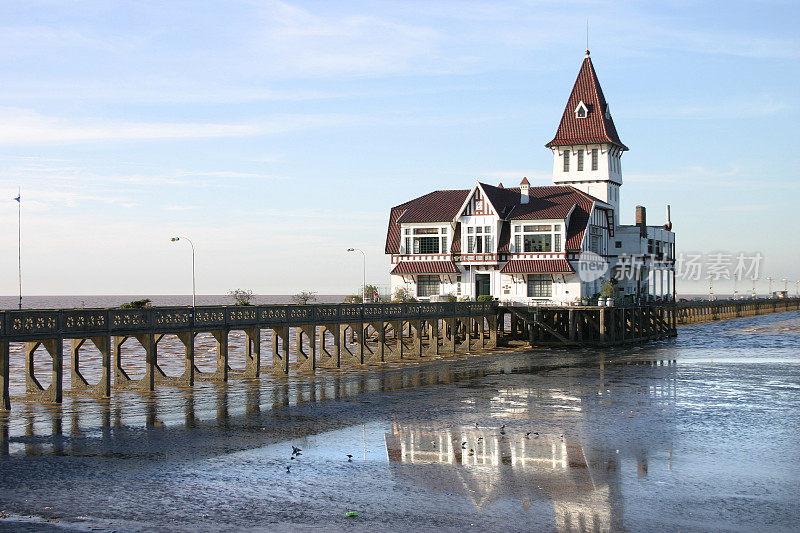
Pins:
x: 668, y: 225
x: 524, y: 191
x: 641, y: 220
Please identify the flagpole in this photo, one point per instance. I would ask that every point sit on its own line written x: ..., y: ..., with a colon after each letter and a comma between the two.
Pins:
x: 19, y: 242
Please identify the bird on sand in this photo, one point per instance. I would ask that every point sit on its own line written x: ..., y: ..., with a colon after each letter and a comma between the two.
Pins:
x: 471, y: 452
x: 349, y: 458
x: 464, y: 445
x: 476, y: 425
x: 296, y: 450
x: 289, y: 469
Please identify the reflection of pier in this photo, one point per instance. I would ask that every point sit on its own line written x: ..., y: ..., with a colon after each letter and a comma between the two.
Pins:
x: 332, y: 336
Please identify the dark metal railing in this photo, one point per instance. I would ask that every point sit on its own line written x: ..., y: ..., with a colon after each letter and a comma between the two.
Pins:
x: 82, y: 323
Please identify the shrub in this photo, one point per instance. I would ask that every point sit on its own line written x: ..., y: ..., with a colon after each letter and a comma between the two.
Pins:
x: 353, y: 299
x: 485, y: 298
x: 403, y: 294
x: 449, y: 297
x: 241, y: 296
x: 136, y: 304
x: 304, y: 298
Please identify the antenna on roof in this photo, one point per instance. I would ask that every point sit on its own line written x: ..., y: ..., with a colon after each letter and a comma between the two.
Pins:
x: 587, y: 36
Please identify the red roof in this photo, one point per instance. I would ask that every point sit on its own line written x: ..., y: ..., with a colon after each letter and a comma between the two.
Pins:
x: 537, y: 266
x: 425, y: 267
x: 597, y: 126
x: 548, y: 202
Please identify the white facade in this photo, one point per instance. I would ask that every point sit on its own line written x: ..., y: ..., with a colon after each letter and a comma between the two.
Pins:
x: 531, y: 244
x: 595, y: 169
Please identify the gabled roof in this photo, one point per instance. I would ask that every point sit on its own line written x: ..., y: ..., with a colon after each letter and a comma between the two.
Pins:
x: 436, y: 206
x: 598, y: 126
x: 549, y: 202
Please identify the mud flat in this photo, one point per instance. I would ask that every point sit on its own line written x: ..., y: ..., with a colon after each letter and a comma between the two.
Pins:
x: 697, y: 433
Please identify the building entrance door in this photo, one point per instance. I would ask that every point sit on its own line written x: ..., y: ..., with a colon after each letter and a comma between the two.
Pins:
x: 482, y: 285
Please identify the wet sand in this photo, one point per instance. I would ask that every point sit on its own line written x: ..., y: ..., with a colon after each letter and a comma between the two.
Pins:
x: 699, y: 433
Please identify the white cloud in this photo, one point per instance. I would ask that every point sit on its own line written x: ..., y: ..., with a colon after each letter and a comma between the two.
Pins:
x: 25, y: 127
x: 301, y: 43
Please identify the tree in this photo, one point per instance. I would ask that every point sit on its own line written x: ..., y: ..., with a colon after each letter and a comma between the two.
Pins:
x: 304, y: 297
x: 369, y: 292
x: 353, y: 299
x: 403, y: 294
x: 241, y: 296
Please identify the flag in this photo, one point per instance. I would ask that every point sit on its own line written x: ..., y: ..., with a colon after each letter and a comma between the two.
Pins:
x: 18, y: 198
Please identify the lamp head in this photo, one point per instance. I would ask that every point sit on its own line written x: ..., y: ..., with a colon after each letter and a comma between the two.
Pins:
x: 173, y: 239
x: 351, y: 249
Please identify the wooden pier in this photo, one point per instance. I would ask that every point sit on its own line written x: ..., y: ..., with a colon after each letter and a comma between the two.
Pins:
x: 591, y: 325
x: 330, y: 336
x: 322, y: 336
x: 709, y: 311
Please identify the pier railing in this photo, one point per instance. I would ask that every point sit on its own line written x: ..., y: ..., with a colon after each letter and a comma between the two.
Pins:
x: 310, y: 335
x: 711, y: 310
x: 27, y: 325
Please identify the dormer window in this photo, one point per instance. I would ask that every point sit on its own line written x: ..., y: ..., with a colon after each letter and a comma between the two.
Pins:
x: 581, y: 111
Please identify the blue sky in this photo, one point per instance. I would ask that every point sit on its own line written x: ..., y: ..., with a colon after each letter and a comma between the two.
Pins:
x: 277, y: 134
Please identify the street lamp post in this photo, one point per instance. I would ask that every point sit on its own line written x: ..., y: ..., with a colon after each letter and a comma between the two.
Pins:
x: 194, y: 290
x: 364, y: 279
x: 769, y: 279
x: 797, y: 288
x: 753, y: 293
x: 785, y: 286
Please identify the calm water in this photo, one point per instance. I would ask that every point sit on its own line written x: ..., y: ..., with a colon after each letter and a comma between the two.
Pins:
x: 699, y: 433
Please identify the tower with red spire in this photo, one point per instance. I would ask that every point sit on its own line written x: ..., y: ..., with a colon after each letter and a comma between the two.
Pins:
x: 587, y: 151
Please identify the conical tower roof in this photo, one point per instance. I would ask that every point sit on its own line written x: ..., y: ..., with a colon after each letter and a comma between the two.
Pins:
x: 597, y: 126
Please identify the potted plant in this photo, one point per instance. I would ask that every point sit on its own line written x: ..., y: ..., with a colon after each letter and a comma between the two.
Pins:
x: 607, y: 289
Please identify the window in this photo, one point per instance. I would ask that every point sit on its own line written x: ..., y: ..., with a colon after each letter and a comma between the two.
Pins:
x: 458, y: 285
x: 540, y: 285
x: 580, y: 160
x: 533, y: 238
x: 426, y: 240
x: 566, y: 160
x: 538, y: 242
x: 479, y: 239
x: 618, y: 244
x: 427, y: 285
x: 426, y: 245
x: 595, y: 244
x: 649, y: 246
x: 594, y: 158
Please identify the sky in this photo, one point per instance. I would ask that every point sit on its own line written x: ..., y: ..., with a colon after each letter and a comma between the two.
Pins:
x: 276, y: 135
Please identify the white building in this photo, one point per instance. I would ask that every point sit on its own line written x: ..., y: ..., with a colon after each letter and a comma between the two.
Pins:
x: 532, y: 243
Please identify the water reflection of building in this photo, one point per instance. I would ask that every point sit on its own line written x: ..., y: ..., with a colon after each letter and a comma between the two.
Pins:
x: 584, y: 487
